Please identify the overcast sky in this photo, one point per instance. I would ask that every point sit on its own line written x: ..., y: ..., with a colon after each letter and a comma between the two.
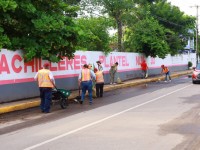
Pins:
x: 185, y: 6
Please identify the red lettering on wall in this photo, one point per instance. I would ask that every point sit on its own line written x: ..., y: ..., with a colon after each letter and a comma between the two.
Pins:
x: 40, y: 64
x: 4, y: 64
x: 69, y: 62
x: 101, y: 59
x: 139, y: 59
x: 77, y: 62
x: 105, y: 62
x: 123, y: 61
x: 127, y: 64
x: 83, y: 60
x: 61, y: 65
x: 13, y: 63
x: 116, y: 59
x: 111, y: 60
x: 29, y: 64
x: 52, y: 68
x: 36, y: 64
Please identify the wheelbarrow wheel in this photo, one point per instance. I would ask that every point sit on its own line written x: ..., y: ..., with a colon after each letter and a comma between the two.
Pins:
x: 64, y: 103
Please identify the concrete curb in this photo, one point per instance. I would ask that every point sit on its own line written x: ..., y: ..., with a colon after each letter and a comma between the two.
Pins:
x: 21, y: 106
x: 36, y: 103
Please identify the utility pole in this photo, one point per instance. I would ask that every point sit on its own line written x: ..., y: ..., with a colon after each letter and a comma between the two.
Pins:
x: 197, y: 18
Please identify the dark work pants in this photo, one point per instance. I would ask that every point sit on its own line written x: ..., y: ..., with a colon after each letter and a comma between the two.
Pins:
x: 99, y: 89
x: 86, y: 86
x: 144, y: 74
x: 45, y: 95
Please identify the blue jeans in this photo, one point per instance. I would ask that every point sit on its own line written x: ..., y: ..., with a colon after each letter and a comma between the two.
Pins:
x: 86, y: 86
x: 45, y: 95
x: 167, y: 75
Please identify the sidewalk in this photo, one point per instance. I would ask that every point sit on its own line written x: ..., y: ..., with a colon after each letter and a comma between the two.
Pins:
x: 35, y: 102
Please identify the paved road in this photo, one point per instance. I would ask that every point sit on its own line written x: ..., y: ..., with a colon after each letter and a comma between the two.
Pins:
x: 155, y: 116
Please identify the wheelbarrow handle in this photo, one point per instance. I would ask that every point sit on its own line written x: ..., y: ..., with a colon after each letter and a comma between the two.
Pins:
x: 79, y: 90
x: 53, y: 83
x: 56, y: 88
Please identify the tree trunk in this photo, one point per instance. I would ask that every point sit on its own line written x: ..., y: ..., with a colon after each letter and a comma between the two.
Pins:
x: 119, y: 28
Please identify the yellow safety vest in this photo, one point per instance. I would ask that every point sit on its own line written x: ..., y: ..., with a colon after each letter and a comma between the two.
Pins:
x: 99, y: 77
x: 43, y: 78
x: 85, y: 75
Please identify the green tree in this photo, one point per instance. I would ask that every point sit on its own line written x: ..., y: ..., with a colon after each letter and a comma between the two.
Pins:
x: 5, y: 6
x: 177, y: 24
x: 43, y: 29
x: 158, y: 29
x: 72, y: 2
x: 94, y: 34
x: 147, y: 37
x: 116, y: 9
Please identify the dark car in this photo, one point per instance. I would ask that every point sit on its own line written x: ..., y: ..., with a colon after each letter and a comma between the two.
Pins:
x: 196, y: 74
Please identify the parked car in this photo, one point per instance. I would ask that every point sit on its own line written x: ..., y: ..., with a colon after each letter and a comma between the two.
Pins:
x: 196, y: 74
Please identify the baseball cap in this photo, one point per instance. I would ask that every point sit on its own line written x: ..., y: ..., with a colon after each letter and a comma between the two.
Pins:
x: 46, y: 65
x: 95, y: 69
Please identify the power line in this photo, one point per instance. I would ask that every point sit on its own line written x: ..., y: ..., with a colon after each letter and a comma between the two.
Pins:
x: 167, y: 21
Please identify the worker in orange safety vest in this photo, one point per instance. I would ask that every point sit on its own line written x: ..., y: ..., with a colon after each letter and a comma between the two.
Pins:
x: 45, y: 82
x: 99, y: 82
x: 165, y: 70
x: 85, y: 80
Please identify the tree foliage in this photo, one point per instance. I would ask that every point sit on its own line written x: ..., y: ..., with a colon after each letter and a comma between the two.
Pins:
x: 148, y: 37
x: 42, y: 28
x: 117, y: 9
x: 94, y: 34
x: 47, y: 29
x: 160, y: 29
x: 176, y: 22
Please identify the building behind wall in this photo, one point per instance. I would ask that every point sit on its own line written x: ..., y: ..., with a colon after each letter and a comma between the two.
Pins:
x: 190, y: 43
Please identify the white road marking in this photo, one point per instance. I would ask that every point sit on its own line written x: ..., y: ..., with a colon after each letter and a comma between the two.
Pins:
x: 101, y: 120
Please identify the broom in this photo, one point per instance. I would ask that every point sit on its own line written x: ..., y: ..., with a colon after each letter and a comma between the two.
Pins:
x: 78, y: 98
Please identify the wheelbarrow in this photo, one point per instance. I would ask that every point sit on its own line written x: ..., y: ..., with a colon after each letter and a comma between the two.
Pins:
x: 61, y: 96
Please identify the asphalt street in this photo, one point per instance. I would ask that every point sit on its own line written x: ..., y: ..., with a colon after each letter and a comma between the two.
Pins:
x: 153, y: 116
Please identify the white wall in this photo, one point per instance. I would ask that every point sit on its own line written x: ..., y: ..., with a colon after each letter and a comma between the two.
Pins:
x: 14, y: 70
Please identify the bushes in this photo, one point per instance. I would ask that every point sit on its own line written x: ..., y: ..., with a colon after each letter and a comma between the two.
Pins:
x: 189, y: 64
